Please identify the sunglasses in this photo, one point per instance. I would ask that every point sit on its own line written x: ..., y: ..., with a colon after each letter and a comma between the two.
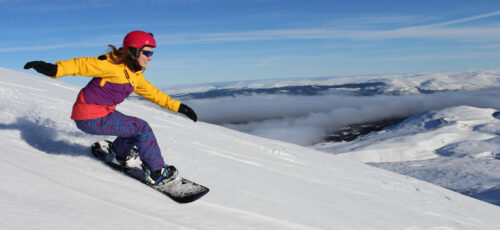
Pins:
x: 147, y: 53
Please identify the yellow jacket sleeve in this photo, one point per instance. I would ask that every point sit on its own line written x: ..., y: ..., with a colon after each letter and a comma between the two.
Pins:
x: 86, y: 66
x: 153, y: 94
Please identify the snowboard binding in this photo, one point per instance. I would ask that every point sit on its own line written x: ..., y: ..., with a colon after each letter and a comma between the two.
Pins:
x: 159, y: 177
x: 103, y: 150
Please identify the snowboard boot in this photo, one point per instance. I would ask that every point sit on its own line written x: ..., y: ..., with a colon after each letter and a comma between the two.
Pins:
x: 103, y: 150
x: 159, y: 177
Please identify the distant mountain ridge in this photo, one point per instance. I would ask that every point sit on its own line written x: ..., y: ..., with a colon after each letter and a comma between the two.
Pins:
x: 423, y: 83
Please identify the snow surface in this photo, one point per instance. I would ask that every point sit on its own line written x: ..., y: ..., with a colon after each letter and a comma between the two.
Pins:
x: 51, y: 181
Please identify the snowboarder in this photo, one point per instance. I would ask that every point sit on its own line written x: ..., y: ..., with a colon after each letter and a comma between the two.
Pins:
x: 115, y: 75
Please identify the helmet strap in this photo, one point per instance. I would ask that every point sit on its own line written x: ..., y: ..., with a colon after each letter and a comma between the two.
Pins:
x: 134, y: 52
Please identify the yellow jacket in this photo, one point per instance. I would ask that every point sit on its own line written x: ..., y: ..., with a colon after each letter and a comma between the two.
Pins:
x: 113, y: 83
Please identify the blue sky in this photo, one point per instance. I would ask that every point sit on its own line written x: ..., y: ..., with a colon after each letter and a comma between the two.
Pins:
x: 202, y: 41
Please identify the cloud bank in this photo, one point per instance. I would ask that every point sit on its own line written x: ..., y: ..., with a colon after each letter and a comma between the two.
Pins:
x: 306, y: 120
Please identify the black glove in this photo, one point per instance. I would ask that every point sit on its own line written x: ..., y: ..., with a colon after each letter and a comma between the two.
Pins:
x: 184, y: 109
x: 42, y: 67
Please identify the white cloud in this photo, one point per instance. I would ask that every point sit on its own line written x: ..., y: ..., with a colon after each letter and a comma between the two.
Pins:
x: 431, y: 31
x: 306, y: 120
x: 54, y: 5
x: 486, y: 33
x: 467, y: 19
x: 35, y: 48
x: 443, y: 30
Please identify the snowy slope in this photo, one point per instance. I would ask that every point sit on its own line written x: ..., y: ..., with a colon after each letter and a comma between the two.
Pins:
x: 51, y: 181
x: 457, y: 148
x: 460, y: 131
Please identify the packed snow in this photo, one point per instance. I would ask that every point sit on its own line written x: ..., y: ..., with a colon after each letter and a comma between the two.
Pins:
x: 51, y: 181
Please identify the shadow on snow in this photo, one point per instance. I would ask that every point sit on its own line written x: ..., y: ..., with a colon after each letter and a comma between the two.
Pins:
x: 44, y: 138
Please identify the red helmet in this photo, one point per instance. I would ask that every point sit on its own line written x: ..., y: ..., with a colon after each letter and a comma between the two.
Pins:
x: 138, y: 39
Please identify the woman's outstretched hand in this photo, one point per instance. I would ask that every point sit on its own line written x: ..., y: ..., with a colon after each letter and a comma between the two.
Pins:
x: 186, y: 110
x: 42, y: 67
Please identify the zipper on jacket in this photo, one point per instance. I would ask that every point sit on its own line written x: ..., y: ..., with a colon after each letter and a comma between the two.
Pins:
x: 128, y: 78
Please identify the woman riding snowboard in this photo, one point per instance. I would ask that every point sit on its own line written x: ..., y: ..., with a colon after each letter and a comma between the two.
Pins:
x: 115, y: 76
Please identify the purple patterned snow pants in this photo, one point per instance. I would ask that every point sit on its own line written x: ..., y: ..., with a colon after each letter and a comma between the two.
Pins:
x: 130, y: 131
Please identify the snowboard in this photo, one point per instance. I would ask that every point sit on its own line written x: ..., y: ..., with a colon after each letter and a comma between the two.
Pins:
x: 179, y: 189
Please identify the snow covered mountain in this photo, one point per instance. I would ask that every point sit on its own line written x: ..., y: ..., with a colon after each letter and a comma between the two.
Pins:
x: 461, y: 131
x: 308, y: 112
x: 51, y: 181
x: 457, y: 148
x: 397, y: 84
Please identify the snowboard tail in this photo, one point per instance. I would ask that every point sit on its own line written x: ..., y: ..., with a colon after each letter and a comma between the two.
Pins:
x: 178, y: 189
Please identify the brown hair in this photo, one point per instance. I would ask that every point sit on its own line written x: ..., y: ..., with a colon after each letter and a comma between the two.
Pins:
x: 121, y: 56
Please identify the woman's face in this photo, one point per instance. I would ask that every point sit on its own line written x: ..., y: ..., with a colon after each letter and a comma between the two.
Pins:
x: 143, y: 60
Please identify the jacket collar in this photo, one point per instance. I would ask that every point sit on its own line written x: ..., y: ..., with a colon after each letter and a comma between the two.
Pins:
x: 134, y: 70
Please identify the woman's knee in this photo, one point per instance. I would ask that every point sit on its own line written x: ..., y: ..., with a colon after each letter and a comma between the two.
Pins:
x: 143, y: 127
